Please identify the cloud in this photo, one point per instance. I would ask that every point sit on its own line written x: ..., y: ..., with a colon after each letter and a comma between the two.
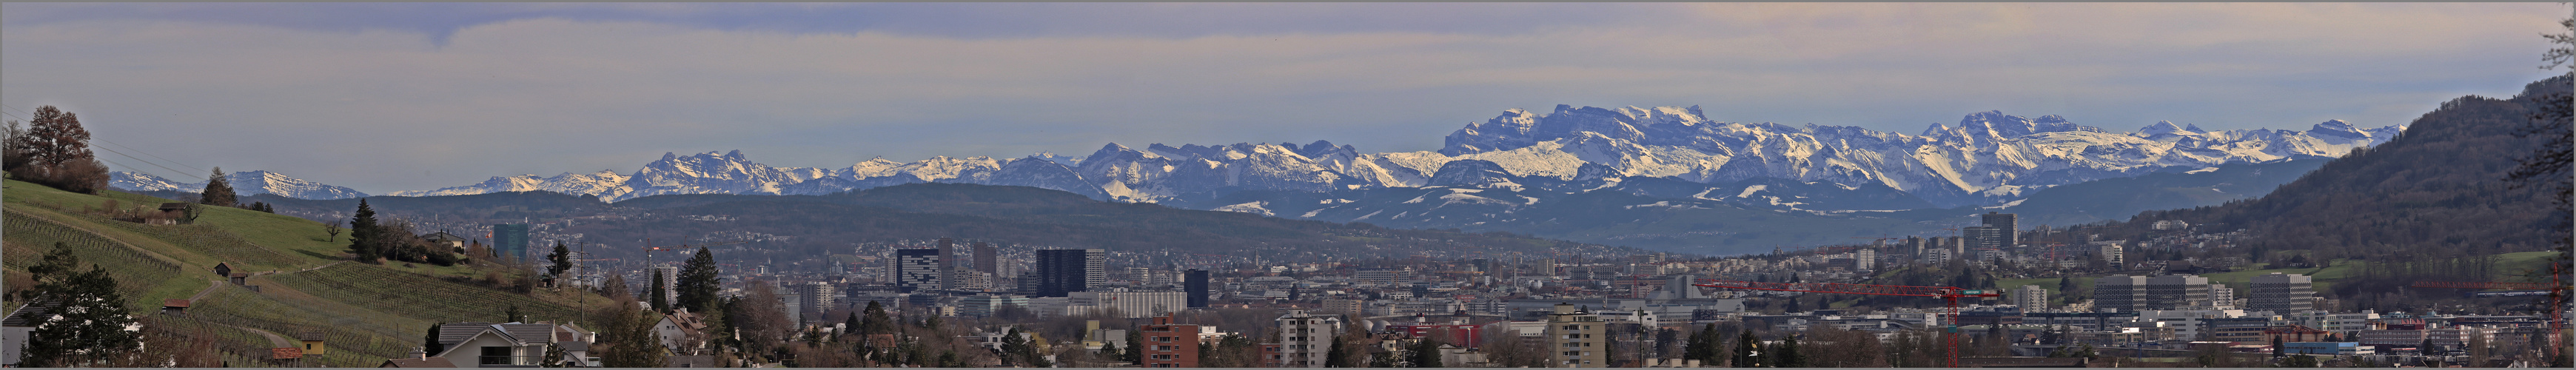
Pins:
x: 386, y: 97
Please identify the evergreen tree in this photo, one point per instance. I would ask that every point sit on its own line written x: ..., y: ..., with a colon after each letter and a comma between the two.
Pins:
x: 1787, y: 355
x: 362, y: 233
x: 1703, y: 346
x: 429, y: 342
x: 697, y: 282
x: 1135, y: 353
x: 513, y: 315
x: 631, y: 340
x: 562, y: 259
x: 88, y: 329
x: 1337, y: 355
x: 877, y: 320
x: 1425, y: 353
x: 219, y: 191
x: 1748, y: 350
x: 661, y: 302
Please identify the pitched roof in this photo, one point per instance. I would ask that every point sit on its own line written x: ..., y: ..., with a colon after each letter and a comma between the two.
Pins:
x: 26, y: 316
x: 178, y: 303
x: 309, y: 336
x: 459, y: 332
x: 528, y: 333
x: 442, y: 236
x: 418, y: 362
x: 285, y: 353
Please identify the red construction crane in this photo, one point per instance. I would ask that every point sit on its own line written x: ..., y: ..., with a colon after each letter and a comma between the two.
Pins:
x: 1949, y: 295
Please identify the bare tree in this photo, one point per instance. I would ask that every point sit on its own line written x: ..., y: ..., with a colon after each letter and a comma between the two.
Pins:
x: 333, y: 229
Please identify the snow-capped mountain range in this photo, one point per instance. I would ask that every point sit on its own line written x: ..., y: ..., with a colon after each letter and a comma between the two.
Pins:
x: 1987, y: 158
x: 245, y: 183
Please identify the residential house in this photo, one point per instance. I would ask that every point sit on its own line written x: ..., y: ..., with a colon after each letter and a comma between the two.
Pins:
x: 683, y: 332
x: 477, y: 344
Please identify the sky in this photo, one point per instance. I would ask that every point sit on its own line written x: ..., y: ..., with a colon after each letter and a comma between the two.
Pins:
x: 384, y: 97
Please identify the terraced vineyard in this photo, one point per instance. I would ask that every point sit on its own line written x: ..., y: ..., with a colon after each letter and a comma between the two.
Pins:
x: 136, y: 271
x: 365, y: 334
x: 236, y: 346
x: 419, y: 297
x: 212, y: 242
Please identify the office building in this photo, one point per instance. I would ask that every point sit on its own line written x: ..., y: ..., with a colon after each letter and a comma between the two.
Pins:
x: 1304, y: 339
x: 2009, y: 225
x: 2281, y: 293
x: 987, y: 260
x: 1576, y: 338
x: 1195, y: 283
x: 2171, y: 292
x: 1169, y: 345
x: 2119, y: 293
x: 510, y: 242
x: 918, y: 269
x: 1063, y: 271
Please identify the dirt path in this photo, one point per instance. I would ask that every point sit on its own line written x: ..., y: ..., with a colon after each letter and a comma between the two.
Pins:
x: 211, y: 285
x: 273, y: 339
x: 303, y: 270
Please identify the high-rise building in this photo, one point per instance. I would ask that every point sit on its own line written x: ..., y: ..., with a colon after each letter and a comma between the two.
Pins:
x: 1169, y: 345
x: 510, y: 242
x: 1576, y: 338
x: 2010, y: 225
x: 2281, y: 293
x: 948, y: 264
x: 1865, y: 259
x: 1195, y: 282
x: 1304, y: 339
x: 987, y: 260
x: 819, y: 297
x: 2030, y: 298
x: 918, y: 269
x: 1062, y: 271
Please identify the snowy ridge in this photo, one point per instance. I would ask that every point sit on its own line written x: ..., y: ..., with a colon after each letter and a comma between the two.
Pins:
x: 245, y: 183
x: 1986, y: 158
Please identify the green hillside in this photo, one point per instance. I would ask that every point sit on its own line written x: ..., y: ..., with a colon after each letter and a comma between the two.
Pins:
x: 366, y: 312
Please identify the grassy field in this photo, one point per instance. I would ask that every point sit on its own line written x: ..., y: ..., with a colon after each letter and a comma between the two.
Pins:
x: 367, y: 312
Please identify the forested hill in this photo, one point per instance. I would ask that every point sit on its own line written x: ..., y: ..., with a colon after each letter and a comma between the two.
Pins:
x: 2441, y: 188
x: 1049, y: 218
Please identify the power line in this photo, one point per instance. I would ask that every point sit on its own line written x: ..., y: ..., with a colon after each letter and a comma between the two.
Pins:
x: 153, y: 156
x: 120, y: 164
x: 140, y: 159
